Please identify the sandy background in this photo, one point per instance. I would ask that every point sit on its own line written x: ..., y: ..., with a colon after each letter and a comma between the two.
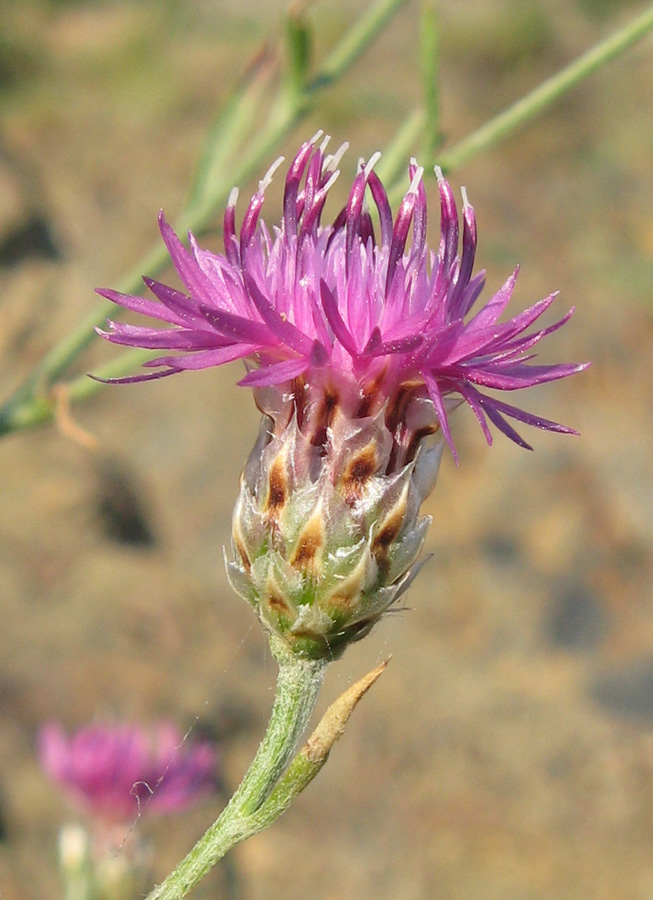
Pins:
x: 507, y: 753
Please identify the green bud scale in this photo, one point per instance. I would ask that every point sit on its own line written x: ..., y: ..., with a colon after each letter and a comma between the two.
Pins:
x: 326, y: 535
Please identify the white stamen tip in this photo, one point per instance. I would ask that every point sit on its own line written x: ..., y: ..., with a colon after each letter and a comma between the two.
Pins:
x: 438, y: 173
x: 334, y: 177
x: 417, y: 177
x: 325, y: 143
x: 333, y: 161
x: 316, y: 137
x: 413, y: 161
x: 372, y: 161
x: 233, y: 197
x: 267, y: 178
x: 466, y: 203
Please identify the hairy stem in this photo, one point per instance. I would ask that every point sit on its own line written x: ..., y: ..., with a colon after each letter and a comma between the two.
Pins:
x: 298, y: 685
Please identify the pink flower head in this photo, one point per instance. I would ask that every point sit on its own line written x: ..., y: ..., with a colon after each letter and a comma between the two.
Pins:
x: 367, y: 320
x: 116, y: 771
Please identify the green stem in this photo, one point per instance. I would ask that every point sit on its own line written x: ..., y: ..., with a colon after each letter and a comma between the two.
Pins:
x: 359, y: 36
x: 429, y: 47
x: 297, y: 688
x: 77, y: 887
x: 298, y: 51
x: 291, y: 107
x: 223, y: 147
x: 517, y: 115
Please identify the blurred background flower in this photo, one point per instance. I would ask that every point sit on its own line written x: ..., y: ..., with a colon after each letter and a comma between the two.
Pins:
x: 116, y: 772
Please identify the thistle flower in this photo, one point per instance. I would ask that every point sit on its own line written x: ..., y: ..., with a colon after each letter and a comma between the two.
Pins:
x: 334, y: 310
x: 115, y: 771
x: 357, y: 346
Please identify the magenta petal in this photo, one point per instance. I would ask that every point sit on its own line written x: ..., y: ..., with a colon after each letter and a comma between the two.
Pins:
x: 182, y: 306
x: 293, y: 180
x: 522, y: 416
x: 448, y: 225
x: 472, y: 397
x: 489, y: 314
x: 133, y: 379
x: 141, y: 305
x: 489, y: 405
x: 284, y: 330
x: 118, y: 771
x: 318, y: 317
x: 335, y: 320
x: 529, y: 340
x: 204, y: 359
x: 387, y: 348
x: 238, y: 328
x: 153, y: 339
x: 438, y: 403
x: 275, y: 373
x: 399, y: 236
x: 383, y: 206
x: 515, y: 377
x: 319, y: 356
x: 188, y: 269
x: 467, y: 261
x: 525, y: 319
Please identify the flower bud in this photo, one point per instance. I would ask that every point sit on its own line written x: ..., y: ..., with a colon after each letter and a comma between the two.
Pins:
x: 326, y: 536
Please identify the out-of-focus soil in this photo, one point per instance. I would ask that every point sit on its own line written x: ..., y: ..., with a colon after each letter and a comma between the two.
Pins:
x: 508, y: 750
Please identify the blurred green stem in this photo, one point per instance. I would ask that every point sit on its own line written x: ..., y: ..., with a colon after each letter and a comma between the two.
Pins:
x: 540, y: 99
x: 358, y: 37
x: 429, y: 66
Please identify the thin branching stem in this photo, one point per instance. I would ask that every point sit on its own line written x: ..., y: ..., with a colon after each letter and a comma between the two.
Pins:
x: 546, y: 94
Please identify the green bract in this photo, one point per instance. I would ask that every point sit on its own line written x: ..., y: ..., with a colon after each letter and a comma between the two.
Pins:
x: 325, y: 538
